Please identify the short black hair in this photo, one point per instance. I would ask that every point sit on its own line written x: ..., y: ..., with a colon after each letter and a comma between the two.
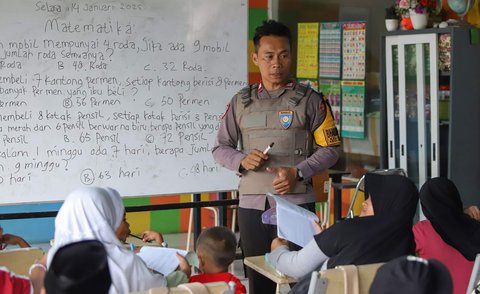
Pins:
x: 220, y: 244
x: 271, y: 28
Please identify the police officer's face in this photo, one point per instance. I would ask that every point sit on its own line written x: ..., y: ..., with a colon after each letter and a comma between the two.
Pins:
x: 273, y: 59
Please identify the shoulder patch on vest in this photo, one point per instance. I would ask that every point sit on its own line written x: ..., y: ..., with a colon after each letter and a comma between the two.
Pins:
x: 300, y: 92
x: 245, y: 94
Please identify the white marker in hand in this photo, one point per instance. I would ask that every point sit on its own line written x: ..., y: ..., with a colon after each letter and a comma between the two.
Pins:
x: 268, y: 148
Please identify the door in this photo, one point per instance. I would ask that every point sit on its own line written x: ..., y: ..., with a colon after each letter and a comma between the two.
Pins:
x: 412, y: 105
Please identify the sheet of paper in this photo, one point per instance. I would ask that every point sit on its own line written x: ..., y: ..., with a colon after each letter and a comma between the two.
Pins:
x: 294, y: 223
x: 161, y: 259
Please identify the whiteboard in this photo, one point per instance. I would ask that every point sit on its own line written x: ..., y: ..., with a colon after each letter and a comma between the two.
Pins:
x: 122, y: 94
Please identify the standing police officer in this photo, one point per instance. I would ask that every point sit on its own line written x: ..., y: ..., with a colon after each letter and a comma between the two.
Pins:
x: 300, y: 124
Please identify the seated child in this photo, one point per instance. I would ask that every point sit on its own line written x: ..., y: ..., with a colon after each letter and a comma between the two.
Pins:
x: 216, y: 251
x: 123, y: 231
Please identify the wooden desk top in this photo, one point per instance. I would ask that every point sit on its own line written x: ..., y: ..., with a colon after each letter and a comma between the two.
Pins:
x: 259, y: 264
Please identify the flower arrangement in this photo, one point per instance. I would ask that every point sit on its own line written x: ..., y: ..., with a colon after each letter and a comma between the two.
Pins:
x: 419, y: 6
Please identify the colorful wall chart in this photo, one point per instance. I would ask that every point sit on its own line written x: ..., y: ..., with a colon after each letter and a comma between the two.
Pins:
x: 330, y: 50
x: 353, y: 109
x: 307, y: 57
x: 331, y: 90
x: 353, y: 49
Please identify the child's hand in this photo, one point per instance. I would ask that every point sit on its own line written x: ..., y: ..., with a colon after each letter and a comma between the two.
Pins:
x: 149, y: 236
x: 183, y: 265
x: 277, y: 242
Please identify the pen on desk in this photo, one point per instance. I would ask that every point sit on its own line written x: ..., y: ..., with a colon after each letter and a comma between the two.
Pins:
x: 268, y: 148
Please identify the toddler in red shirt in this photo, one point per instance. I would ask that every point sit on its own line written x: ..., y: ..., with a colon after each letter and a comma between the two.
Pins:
x: 216, y: 248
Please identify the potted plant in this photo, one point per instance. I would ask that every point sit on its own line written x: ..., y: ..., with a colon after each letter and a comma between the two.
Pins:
x: 418, y: 10
x: 391, y: 18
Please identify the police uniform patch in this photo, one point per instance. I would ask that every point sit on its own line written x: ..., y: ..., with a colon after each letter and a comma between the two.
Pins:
x: 331, y: 136
x: 286, y: 118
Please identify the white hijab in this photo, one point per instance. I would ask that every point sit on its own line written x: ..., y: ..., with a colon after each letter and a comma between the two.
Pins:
x: 95, y: 213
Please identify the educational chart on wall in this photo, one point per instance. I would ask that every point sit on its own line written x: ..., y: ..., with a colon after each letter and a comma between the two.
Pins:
x: 331, y: 90
x: 354, y: 50
x: 127, y: 94
x: 353, y: 109
x: 330, y: 50
x: 307, y: 56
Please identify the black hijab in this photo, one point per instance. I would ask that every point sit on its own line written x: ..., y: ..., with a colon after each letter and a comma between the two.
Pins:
x: 378, y: 238
x: 443, y: 207
x: 79, y: 268
x: 413, y: 275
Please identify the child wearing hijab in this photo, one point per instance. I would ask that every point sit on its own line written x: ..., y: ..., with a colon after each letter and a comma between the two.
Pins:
x: 448, y: 234
x: 216, y: 248
x: 382, y: 233
x: 413, y: 275
x: 95, y: 213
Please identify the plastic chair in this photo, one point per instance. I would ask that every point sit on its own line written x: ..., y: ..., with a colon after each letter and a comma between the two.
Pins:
x: 361, y: 184
x: 208, y: 288
x: 348, y: 279
x: 325, y: 206
x: 190, y: 223
x: 215, y: 211
x: 474, y: 282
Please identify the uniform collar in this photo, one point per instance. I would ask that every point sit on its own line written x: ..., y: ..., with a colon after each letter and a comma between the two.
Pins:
x: 263, y: 93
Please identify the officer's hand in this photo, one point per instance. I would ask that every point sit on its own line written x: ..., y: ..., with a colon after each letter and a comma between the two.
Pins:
x: 285, y: 180
x: 254, y: 160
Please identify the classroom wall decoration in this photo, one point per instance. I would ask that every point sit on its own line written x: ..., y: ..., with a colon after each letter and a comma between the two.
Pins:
x: 330, y: 50
x: 331, y: 90
x: 353, y: 50
x: 341, y: 72
x: 353, y: 109
x: 121, y: 94
x: 307, y: 50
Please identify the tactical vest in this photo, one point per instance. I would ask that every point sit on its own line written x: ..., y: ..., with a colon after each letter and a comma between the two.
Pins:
x: 279, y: 120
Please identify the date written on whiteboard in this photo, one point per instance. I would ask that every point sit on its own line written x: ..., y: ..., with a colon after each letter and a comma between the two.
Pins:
x: 198, y: 169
